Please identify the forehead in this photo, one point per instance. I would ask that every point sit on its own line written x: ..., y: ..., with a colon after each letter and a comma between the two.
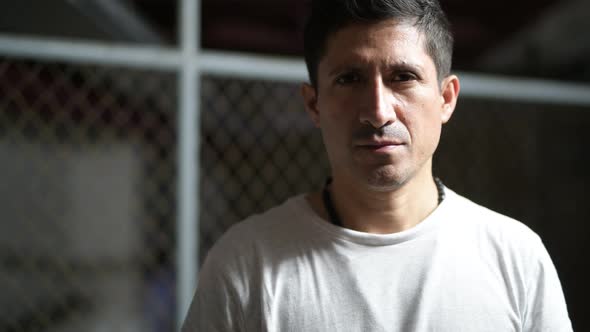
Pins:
x: 388, y: 41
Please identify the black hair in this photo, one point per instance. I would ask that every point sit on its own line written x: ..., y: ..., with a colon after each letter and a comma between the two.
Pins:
x: 329, y: 16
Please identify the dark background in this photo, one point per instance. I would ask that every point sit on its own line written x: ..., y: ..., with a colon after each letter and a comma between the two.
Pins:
x: 524, y: 159
x: 534, y: 38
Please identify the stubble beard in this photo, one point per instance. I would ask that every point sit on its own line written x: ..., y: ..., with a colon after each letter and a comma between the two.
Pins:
x: 387, y: 174
x: 386, y: 178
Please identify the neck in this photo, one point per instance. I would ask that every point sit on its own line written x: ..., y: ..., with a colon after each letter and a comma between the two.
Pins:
x: 382, y: 212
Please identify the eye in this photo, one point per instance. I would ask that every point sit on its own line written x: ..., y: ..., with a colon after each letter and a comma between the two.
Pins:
x: 347, y: 78
x: 404, y: 77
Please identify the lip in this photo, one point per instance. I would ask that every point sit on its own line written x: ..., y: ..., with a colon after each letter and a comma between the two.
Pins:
x: 378, y: 145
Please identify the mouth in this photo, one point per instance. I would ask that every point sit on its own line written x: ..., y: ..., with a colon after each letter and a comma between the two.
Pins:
x: 379, y: 145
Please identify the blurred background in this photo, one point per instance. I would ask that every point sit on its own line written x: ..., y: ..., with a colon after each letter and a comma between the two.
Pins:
x: 133, y: 133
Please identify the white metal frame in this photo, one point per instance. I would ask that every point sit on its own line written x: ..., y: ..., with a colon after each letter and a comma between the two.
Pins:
x: 267, y: 67
x: 190, y: 63
x: 188, y: 157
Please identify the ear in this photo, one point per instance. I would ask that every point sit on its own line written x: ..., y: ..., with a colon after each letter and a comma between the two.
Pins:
x: 310, y: 102
x: 449, y: 93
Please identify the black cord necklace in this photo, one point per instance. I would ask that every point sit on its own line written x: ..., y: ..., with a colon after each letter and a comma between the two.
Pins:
x: 335, y: 219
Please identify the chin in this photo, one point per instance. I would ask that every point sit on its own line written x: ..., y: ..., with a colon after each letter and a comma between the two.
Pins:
x: 386, y: 178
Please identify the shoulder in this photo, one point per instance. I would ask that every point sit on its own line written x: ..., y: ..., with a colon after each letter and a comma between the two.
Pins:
x: 272, y: 222
x: 470, y: 215
x: 498, y: 239
x: 517, y: 254
x: 233, y: 268
x: 500, y: 242
x: 258, y: 235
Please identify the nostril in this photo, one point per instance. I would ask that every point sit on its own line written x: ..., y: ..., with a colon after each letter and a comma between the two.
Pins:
x: 377, y: 123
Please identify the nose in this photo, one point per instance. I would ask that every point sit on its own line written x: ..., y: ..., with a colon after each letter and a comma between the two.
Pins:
x: 378, y: 106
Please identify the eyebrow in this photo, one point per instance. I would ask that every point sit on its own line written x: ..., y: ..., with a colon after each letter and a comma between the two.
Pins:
x: 398, y: 66
x: 405, y: 66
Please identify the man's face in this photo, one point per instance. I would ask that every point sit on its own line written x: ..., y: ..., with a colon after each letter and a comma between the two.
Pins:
x: 379, y: 104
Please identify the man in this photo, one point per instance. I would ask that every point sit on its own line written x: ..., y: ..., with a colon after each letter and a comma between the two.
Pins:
x: 385, y: 246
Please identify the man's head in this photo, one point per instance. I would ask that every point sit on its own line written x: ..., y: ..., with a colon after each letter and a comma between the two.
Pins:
x: 378, y: 95
x: 329, y: 16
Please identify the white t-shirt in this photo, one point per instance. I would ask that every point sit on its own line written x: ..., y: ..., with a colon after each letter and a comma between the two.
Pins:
x: 464, y: 268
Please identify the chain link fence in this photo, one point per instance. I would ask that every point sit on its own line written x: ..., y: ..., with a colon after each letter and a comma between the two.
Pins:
x: 88, y: 198
x: 259, y: 148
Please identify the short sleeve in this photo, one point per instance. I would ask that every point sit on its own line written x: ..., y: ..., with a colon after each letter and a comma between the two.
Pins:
x: 215, y: 306
x: 546, y: 309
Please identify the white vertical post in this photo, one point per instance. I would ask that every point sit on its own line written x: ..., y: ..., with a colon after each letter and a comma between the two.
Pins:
x: 188, y: 157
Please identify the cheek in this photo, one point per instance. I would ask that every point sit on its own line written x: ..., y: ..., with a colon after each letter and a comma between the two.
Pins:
x: 425, y: 128
x: 334, y: 130
x: 430, y: 135
x: 336, y: 114
x: 336, y: 127
x: 337, y: 104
